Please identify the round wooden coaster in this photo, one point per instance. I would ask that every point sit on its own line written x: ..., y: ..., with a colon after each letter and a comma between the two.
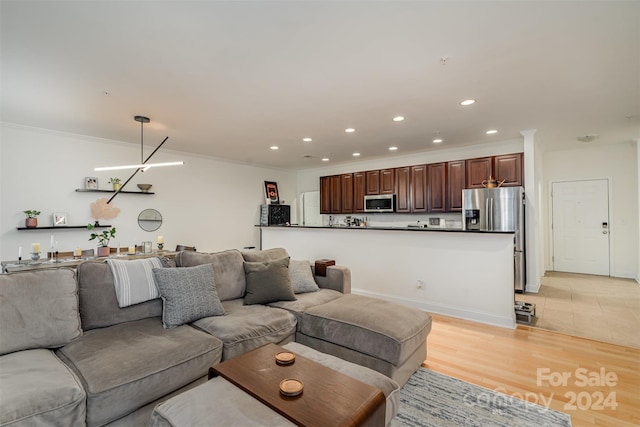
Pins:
x: 291, y: 387
x: 285, y: 358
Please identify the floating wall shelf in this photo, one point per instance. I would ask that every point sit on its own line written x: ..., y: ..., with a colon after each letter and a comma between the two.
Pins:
x: 62, y: 227
x: 82, y: 190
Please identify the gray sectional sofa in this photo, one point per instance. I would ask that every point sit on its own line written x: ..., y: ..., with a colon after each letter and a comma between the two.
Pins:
x: 70, y: 355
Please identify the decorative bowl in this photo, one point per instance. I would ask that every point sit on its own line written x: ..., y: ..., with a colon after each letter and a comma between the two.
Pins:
x: 144, y: 187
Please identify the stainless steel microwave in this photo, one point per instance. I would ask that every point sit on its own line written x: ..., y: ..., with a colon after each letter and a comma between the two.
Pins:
x: 380, y: 203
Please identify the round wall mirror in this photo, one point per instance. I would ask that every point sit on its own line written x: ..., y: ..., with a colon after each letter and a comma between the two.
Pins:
x: 149, y: 220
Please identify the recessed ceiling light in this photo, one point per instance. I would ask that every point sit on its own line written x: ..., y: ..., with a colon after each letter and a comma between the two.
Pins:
x: 588, y: 138
x: 274, y: 147
x: 437, y: 141
x: 491, y: 132
x: 398, y: 118
x: 349, y: 130
x: 468, y: 102
x: 325, y: 159
x: 307, y: 139
x: 356, y: 154
x: 393, y: 148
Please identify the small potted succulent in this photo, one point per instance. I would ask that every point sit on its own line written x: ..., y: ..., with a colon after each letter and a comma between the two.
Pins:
x: 116, y: 183
x: 103, y: 239
x: 32, y: 218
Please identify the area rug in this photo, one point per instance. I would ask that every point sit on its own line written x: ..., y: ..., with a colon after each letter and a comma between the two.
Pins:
x: 433, y: 399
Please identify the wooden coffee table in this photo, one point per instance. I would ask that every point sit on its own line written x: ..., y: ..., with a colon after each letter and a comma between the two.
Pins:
x: 329, y: 398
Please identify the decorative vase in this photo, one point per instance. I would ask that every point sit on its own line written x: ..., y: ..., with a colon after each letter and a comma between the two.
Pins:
x: 31, y: 222
x: 116, y: 187
x: 103, y: 251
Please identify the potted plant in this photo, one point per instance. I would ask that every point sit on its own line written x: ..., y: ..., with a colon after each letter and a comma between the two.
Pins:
x: 32, y: 218
x: 103, y: 239
x: 116, y: 183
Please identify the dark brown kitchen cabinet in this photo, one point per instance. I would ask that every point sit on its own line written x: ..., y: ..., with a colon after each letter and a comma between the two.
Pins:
x: 436, y: 187
x: 346, y: 187
x: 403, y: 189
x: 325, y: 195
x: 387, y: 181
x: 359, y: 182
x: 455, y: 185
x: 478, y: 170
x: 419, y: 188
x: 508, y: 167
x: 372, y: 182
x: 336, y: 194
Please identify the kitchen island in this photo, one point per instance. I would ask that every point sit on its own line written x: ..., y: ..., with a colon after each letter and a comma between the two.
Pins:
x: 464, y: 274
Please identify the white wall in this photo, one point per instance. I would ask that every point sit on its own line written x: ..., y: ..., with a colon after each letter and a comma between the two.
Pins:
x: 208, y: 203
x: 619, y: 164
x: 465, y: 275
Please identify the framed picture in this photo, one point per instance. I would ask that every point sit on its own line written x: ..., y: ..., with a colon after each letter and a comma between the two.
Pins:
x: 271, y: 193
x: 59, y: 219
x: 90, y: 183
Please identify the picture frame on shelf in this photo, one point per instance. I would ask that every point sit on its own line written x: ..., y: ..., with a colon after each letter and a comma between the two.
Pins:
x: 271, y: 193
x: 59, y: 219
x: 90, y: 183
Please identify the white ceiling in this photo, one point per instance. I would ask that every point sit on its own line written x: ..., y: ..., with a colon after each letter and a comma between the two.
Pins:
x: 231, y: 78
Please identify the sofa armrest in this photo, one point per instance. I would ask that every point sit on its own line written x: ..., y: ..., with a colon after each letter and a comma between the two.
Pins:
x: 338, y: 278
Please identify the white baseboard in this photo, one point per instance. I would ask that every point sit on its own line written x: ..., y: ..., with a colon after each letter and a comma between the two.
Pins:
x: 474, y: 316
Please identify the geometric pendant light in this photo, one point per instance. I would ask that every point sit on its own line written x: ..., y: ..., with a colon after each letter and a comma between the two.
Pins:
x: 143, y: 165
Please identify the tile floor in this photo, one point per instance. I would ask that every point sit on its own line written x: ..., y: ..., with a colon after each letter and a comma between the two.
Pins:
x: 597, y: 307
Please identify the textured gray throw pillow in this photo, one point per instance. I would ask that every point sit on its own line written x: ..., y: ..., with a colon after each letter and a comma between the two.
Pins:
x: 188, y: 294
x: 302, y: 277
x: 268, y: 281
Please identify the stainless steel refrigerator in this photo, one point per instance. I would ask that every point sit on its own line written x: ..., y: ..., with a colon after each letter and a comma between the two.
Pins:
x: 498, y: 209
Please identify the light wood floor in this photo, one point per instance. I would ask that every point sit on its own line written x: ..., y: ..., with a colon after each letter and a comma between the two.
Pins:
x: 509, y: 361
x: 597, y: 307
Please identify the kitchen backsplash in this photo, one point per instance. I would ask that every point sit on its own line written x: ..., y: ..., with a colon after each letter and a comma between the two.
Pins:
x: 451, y: 220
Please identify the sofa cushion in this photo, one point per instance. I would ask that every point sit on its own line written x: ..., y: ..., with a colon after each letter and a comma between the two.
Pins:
x: 305, y: 301
x: 227, y: 270
x: 188, y: 294
x: 38, y: 309
x: 194, y: 408
x: 245, y: 327
x: 371, y: 326
x: 301, y: 276
x: 98, y: 302
x: 268, y: 281
x: 125, y: 366
x: 133, y: 280
x: 37, y: 389
x: 265, y: 255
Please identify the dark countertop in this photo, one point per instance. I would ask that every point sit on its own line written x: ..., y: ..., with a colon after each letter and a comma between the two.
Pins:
x: 396, y: 228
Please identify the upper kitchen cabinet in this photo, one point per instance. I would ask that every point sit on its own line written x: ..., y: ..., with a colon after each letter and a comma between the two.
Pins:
x: 508, y: 167
x: 436, y: 187
x: 403, y: 189
x: 359, y: 183
x: 336, y: 194
x: 455, y: 185
x: 372, y: 182
x: 325, y: 194
x: 419, y: 188
x: 478, y: 170
x: 346, y: 187
x: 387, y: 181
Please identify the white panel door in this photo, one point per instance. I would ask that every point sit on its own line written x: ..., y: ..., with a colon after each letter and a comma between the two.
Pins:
x: 580, y: 226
